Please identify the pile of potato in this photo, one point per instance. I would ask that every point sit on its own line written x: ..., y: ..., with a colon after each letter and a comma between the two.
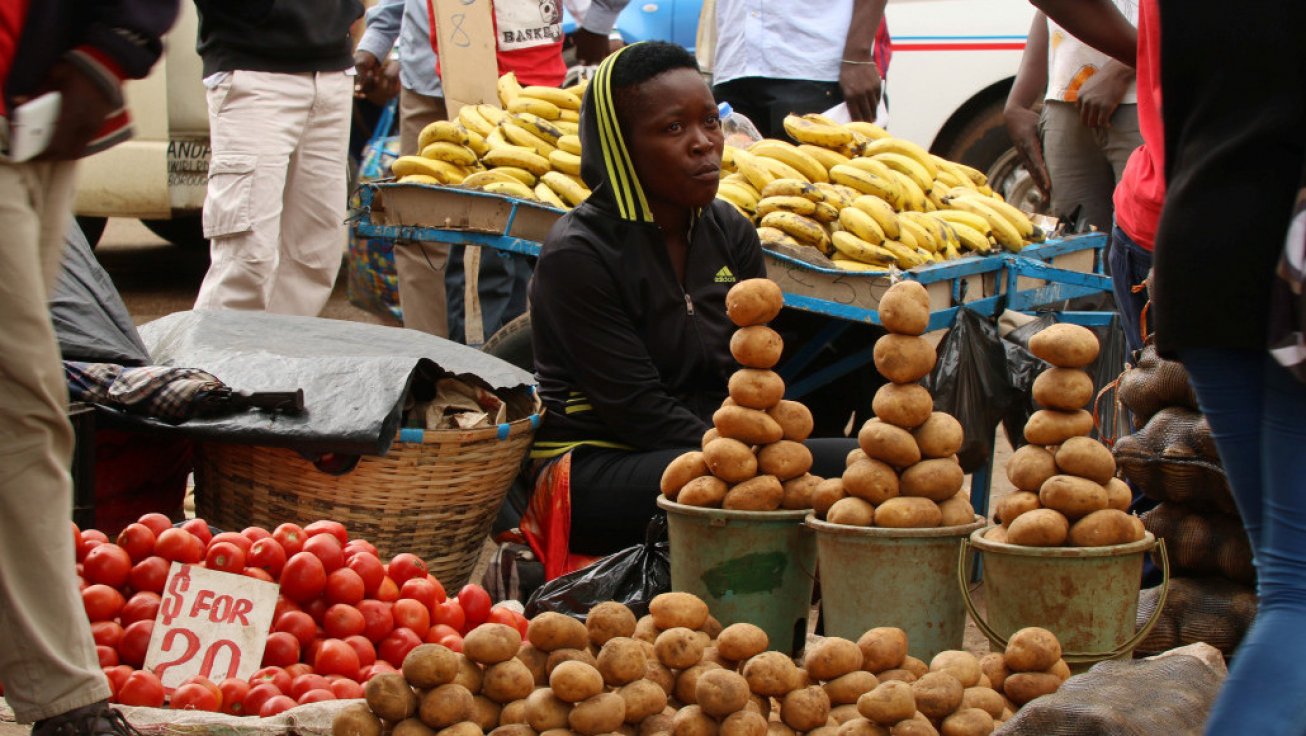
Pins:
x: 905, y: 474
x: 1066, y: 489
x: 753, y: 458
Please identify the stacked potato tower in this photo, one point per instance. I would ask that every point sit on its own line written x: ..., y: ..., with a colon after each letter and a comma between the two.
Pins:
x: 1066, y: 489
x: 906, y: 473
x: 753, y: 459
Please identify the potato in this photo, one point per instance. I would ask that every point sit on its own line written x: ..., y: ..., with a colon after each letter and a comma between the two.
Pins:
x: 708, y: 436
x: 846, y: 689
x: 507, y: 681
x: 1066, y: 389
x: 536, y: 661
x: 602, y: 713
x: 917, y: 725
x: 412, y: 727
x: 670, y: 610
x: 491, y: 643
x: 826, y: 494
x: 937, y: 694
x: 721, y: 692
x: 915, y: 666
x: 445, y: 706
x: 756, y: 346
x: 1028, y: 467
x: 1052, y: 427
x: 1016, y: 503
x: 743, y: 723
x: 854, y: 455
x: 906, y: 405
x: 771, y: 674
x: 937, y: 480
x: 609, y: 620
x: 470, y: 675
x: 750, y: 426
x: 778, y: 728
x: 893, y: 445
x: 461, y: 728
x: 712, y: 627
x: 658, y: 724
x: 730, y: 460
x: 907, y: 512
x: 707, y: 492
x: 763, y: 493
x: 967, y: 722
x: 805, y: 708
x: 961, y: 665
x: 680, y: 471
x: 940, y: 435
x: 841, y: 714
x: 485, y: 713
x: 575, y: 681
x: 549, y: 631
x: 1065, y: 345
x: 692, y: 721
x: 1039, y: 528
x: 1118, y: 495
x: 391, y: 697
x: 1023, y: 687
x: 851, y: 512
x: 756, y: 389
x: 902, y: 358
x: 832, y: 657
x: 513, y: 729
x: 861, y: 727
x: 1103, y: 529
x: 888, y: 703
x: 794, y: 418
x: 897, y: 675
x: 997, y: 534
x: 994, y: 667
x: 643, y: 699
x: 712, y: 654
x: 356, y: 720
x: 985, y: 698
x: 784, y: 459
x: 753, y: 302
x: 905, y: 308
x: 1060, y: 669
x: 515, y: 712
x: 883, y: 648
x: 1031, y: 649
x: 1086, y: 458
x: 661, y: 675
x: 873, y: 481
x: 621, y: 660
x: 798, y: 492
x: 741, y: 641
x: 678, y: 648
x: 956, y: 511
x: 558, y: 656
x: 430, y: 665
x: 1074, y: 497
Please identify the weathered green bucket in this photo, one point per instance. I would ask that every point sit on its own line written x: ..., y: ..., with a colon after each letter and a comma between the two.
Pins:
x: 753, y: 566
x: 877, y: 576
x: 1087, y: 596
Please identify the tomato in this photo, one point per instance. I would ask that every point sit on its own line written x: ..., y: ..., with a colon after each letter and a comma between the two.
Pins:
x: 406, y: 565
x: 388, y: 590
x: 206, y: 682
x: 102, y: 603
x: 156, y: 523
x: 117, y: 676
x: 149, y: 574
x: 284, y: 604
x: 369, y: 569
x: 327, y: 549
x: 304, y: 683
x: 141, y: 607
x: 365, y: 649
x: 381, y: 667
x: 378, y: 621
x: 281, y: 649
x: 137, y: 540
x: 440, y: 631
x: 336, y: 657
x: 225, y: 557
x: 421, y: 590
x: 258, y: 573
x: 300, y: 668
x: 454, y: 643
x: 343, y: 620
x: 508, y: 617
x: 298, y: 624
x: 274, y: 676
x: 141, y: 688
x: 90, y: 538
x: 360, y: 546
x: 344, y: 586
x: 450, y: 613
x: 412, y: 615
x: 476, y: 604
x: 303, y: 578
x: 276, y: 704
x: 106, y: 633
x: 233, y: 691
x: 135, y: 642
x: 194, y: 696
x: 397, y: 645
x: 324, y: 526
x: 259, y: 694
x: 255, y: 533
x: 108, y: 564
x: 317, y: 609
x: 346, y: 689
x: 291, y: 538
x: 179, y: 545
x: 240, y: 540
x: 200, y: 528
x: 267, y: 554
x: 108, y: 656
x: 317, y: 696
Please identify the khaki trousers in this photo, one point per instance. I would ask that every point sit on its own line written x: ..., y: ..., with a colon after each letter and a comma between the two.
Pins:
x: 47, y: 657
x: 275, y: 207
x: 421, y: 266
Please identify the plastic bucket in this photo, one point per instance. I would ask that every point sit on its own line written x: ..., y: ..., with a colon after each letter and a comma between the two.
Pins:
x: 753, y: 566
x: 877, y: 576
x: 1087, y: 596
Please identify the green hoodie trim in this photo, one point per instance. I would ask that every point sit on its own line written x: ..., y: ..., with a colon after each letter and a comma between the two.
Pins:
x: 626, y: 189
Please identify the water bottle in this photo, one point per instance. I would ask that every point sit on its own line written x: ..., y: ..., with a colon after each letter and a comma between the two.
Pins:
x: 739, y: 130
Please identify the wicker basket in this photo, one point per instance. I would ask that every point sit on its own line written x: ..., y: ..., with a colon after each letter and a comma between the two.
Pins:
x: 435, y: 494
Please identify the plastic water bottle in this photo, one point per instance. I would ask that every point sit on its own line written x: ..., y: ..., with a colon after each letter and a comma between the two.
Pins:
x: 739, y: 130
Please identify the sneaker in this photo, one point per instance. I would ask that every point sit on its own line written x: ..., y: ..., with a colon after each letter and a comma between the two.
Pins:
x: 96, y: 719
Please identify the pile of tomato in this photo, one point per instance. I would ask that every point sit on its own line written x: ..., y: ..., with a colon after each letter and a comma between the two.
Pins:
x: 342, y: 616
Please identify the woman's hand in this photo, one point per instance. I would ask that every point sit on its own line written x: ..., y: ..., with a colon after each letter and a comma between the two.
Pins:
x: 1101, y: 94
x: 1022, y: 125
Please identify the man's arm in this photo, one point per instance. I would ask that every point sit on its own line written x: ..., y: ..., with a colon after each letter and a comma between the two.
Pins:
x: 383, y: 23
x: 591, y: 38
x: 859, y: 78
x: 1030, y: 86
x: 1097, y: 23
x: 1101, y: 94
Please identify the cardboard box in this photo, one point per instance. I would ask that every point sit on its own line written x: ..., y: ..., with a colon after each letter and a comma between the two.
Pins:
x: 447, y: 208
x: 469, y: 67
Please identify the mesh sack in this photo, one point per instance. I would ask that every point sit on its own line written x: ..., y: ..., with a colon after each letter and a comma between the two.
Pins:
x: 1119, y: 698
x: 1203, y: 544
x: 1211, y: 610
x: 1153, y: 384
x: 1173, y: 458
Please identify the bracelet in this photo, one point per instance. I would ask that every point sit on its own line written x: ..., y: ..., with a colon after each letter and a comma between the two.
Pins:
x: 850, y: 61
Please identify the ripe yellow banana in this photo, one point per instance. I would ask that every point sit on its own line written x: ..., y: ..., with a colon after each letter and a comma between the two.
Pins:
x: 962, y: 217
x: 1018, y: 219
x: 971, y: 239
x: 882, y: 212
x: 481, y: 178
x: 518, y: 173
x: 548, y: 196
x: 472, y: 119
x: 869, y: 131
x: 825, y: 134
x: 418, y: 179
x: 824, y: 156
x: 809, y: 167
x: 838, y: 195
x: 566, y: 187
x: 745, y: 199
x: 848, y: 265
x: 778, y: 168
x: 976, y: 176
x: 911, y: 196
x: 444, y: 171
x: 455, y: 153
x: 537, y: 126
x: 570, y: 117
x: 774, y: 236
x: 578, y: 88
x: 570, y: 144
x: 567, y: 127
x: 441, y: 130
x: 906, y: 235
x: 561, y: 98
x: 797, y: 205
x: 933, y: 227
x: 866, y: 182
x: 519, y: 136
x: 510, y: 188
x: 903, y: 147
x: 861, y: 224
x: 521, y: 158
x: 508, y: 88
x: 870, y: 165
x: 918, y: 234
x: 909, y: 166
x: 567, y: 163
x: 496, y: 140
x: 1004, y: 233
x: 546, y: 110
x: 856, y: 249
x: 803, y: 229
x: 793, y: 188
x: 494, y: 115
x: 906, y: 257
x: 825, y: 212
x: 476, y: 142
x: 757, y: 174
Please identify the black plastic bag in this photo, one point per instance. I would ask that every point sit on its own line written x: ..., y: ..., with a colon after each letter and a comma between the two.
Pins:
x: 970, y: 382
x: 632, y: 576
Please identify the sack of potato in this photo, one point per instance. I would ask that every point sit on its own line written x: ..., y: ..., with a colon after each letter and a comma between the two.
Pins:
x: 1067, y: 491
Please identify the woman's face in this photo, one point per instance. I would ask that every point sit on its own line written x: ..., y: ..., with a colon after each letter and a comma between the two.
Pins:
x: 675, y: 139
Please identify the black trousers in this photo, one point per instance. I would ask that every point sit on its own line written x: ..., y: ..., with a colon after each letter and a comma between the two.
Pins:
x: 767, y: 101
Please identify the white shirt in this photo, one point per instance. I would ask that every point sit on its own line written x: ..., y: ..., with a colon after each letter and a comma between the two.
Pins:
x: 781, y: 39
x: 1071, y: 62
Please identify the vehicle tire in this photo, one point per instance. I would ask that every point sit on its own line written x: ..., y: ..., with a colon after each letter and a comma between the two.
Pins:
x: 186, y: 231
x: 983, y: 140
x: 92, y: 228
x: 1009, y: 178
x: 512, y: 343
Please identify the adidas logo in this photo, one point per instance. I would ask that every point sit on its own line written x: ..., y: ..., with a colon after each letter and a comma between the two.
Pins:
x: 724, y: 276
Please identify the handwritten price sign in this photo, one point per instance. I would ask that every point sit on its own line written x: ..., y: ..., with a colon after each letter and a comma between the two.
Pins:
x: 210, y: 623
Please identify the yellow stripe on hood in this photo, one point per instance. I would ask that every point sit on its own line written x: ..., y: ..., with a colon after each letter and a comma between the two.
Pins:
x: 607, y: 167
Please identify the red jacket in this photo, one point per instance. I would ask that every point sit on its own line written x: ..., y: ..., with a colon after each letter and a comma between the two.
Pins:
x: 534, y: 53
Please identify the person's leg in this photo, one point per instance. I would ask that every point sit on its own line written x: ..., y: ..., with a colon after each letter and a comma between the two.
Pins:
x: 613, y: 496
x: 313, y: 230
x: 1082, y: 180
x: 1130, y: 265
x: 1122, y: 138
x: 48, y: 662
x: 255, y: 122
x: 499, y: 275
x: 421, y: 266
x: 455, y: 282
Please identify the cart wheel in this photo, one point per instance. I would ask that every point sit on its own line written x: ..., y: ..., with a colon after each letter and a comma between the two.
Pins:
x: 512, y: 343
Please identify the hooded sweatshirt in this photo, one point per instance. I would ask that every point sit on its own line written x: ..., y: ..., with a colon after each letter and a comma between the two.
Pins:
x: 626, y: 355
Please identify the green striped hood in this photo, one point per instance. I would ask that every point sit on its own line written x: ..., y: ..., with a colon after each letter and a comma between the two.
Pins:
x: 606, y: 164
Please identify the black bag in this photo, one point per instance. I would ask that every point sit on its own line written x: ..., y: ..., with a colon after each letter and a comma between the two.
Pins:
x: 632, y: 576
x: 970, y: 382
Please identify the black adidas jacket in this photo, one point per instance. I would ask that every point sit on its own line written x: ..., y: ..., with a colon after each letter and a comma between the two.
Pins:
x: 625, y: 355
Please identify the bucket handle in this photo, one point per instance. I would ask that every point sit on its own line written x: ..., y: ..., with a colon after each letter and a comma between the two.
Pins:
x: 1071, y: 657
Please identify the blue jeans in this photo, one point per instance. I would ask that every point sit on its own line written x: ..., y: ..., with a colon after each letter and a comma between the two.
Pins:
x: 1130, y: 264
x: 501, y: 285
x: 1257, y: 413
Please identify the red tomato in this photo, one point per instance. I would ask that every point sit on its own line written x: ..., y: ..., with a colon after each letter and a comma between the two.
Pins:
x: 309, y: 654
x: 102, y: 603
x: 304, y: 683
x: 450, y: 613
x: 85, y: 547
x: 413, y: 615
x: 274, y: 676
x: 233, y: 691
x: 179, y: 545
x: 300, y: 668
x: 259, y: 694
x: 397, y: 645
x: 421, y: 590
x: 508, y: 617
x: 156, y: 522
x: 290, y: 537
x: 90, y: 538
x: 336, y: 657
x: 117, y: 676
x: 346, y: 689
x: 334, y: 528
x: 317, y: 696
x: 284, y: 604
x: 359, y: 546
x: 366, y: 651
x: 476, y: 604
x: 377, y: 619
x: 381, y: 667
x: 440, y: 631
x: 267, y: 554
x: 276, y: 704
x: 225, y: 557
x: 206, y: 682
x: 135, y: 641
x: 240, y: 540
x: 108, y: 564
x: 298, y: 624
x: 342, y: 620
x: 194, y: 696
x: 369, y: 569
x: 388, y: 590
x: 255, y: 533
x: 327, y: 549
x: 137, y: 540
x: 149, y: 574
x: 200, y: 528
x: 317, y: 609
x: 454, y: 643
x: 406, y: 565
x: 281, y: 649
x: 108, y: 656
x: 344, y: 586
x: 303, y: 578
x: 143, y: 606
x: 141, y: 688
x: 106, y: 633
x: 258, y: 573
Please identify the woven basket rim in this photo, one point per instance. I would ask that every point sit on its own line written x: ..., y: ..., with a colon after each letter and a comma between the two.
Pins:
x: 515, y: 428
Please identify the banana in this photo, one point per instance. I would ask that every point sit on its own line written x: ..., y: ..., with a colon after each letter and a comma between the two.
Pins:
x: 793, y: 188
x: 567, y: 163
x: 975, y: 175
x: 481, y: 178
x: 848, y: 265
x: 778, y: 168
x: 537, y: 126
x: 520, y: 136
x: 869, y: 131
x: 743, y: 199
x: 909, y: 166
x: 912, y: 198
x: 803, y: 229
x: 508, y: 88
x: 825, y: 212
x: 824, y: 156
x: 906, y: 235
x: 949, y: 170
x: 906, y: 257
x: 511, y: 189
x: 882, y: 212
x: 418, y: 179
x: 570, y: 144
x: 871, y: 166
x: 522, y: 158
x: 856, y: 249
x: 1018, y: 219
x: 570, y: 117
x: 518, y: 173
x: 578, y: 88
x: 547, y: 196
x: 857, y: 222
x: 455, y: 153
x: 570, y: 192
x: 936, y: 194
x: 951, y: 245
x: 828, y: 135
x: 839, y: 195
x: 757, y: 174
x: 567, y: 127
x: 444, y: 171
x: 494, y: 115
x: 865, y: 182
x: 476, y: 142
x: 546, y: 110
x: 918, y: 234
x: 903, y: 147
x: 772, y: 236
x: 933, y: 228
x: 809, y: 167
x: 797, y: 205
x: 561, y: 98
x: 951, y: 253
x: 441, y: 130
x: 971, y: 239
x: 1004, y: 233
x: 962, y: 217
x: 472, y: 119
